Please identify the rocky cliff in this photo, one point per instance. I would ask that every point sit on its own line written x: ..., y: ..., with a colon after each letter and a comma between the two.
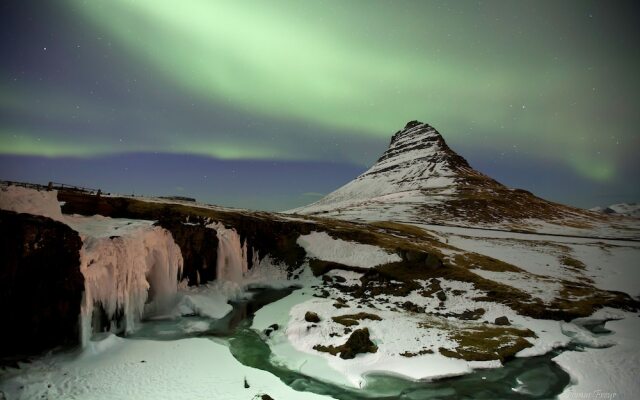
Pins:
x: 40, y: 284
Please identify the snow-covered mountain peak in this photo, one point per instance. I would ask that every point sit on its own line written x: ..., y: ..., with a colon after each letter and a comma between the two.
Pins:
x: 417, y: 164
x: 422, y: 149
x: 420, y: 179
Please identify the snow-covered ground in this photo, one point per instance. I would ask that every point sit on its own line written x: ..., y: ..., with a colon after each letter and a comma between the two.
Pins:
x: 322, y: 246
x: 117, y: 368
x: 596, y: 373
x: 395, y: 333
x: 610, y: 372
x: 610, y: 264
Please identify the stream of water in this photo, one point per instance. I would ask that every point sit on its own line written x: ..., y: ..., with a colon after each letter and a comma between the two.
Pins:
x: 521, y: 378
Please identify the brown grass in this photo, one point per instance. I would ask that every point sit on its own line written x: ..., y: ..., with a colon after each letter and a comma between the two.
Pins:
x: 572, y: 262
x: 487, y: 342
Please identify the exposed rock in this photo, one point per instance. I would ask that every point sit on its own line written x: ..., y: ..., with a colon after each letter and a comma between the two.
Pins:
x: 352, y: 319
x: 323, y: 294
x: 339, y: 279
x: 441, y: 296
x: 502, y: 321
x: 319, y: 267
x: 310, y: 316
x: 466, y: 315
x: 412, y: 307
x: 422, y: 352
x: 420, y: 257
x: 199, y: 248
x: 327, y: 279
x: 271, y: 329
x: 358, y: 342
x: 40, y: 284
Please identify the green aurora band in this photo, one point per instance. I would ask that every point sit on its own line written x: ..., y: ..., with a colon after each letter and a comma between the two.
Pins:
x: 507, y: 76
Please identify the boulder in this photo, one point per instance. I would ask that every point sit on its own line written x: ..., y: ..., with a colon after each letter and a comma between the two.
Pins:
x: 502, y: 321
x: 272, y: 328
x: 310, y: 316
x: 358, y: 342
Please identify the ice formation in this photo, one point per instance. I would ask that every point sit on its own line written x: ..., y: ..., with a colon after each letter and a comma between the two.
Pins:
x: 123, y: 273
x: 232, y: 263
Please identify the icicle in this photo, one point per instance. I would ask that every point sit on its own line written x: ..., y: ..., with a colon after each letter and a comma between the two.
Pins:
x: 256, y: 258
x: 245, y: 258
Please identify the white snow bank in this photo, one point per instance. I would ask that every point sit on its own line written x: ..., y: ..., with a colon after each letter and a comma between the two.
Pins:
x: 321, y: 245
x: 98, y: 226
x: 606, y: 373
x: 117, y: 368
x: 209, y: 300
x: 31, y: 201
x: 123, y: 272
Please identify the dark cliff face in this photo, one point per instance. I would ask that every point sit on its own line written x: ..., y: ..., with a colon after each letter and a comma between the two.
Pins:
x: 40, y: 284
x: 199, y: 248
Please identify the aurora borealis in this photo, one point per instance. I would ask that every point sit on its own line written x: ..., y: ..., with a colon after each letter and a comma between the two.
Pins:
x: 271, y: 104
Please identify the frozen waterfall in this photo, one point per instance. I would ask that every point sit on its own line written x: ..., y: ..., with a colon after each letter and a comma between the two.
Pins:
x: 123, y: 273
x: 232, y: 263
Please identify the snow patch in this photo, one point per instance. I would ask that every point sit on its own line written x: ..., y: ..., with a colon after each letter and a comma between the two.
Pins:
x: 31, y: 201
x: 322, y: 246
x: 117, y: 368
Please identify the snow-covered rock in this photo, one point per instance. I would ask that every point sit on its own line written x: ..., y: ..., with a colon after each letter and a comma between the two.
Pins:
x: 627, y: 209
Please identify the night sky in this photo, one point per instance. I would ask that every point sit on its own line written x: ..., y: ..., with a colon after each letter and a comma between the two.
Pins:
x: 270, y: 105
